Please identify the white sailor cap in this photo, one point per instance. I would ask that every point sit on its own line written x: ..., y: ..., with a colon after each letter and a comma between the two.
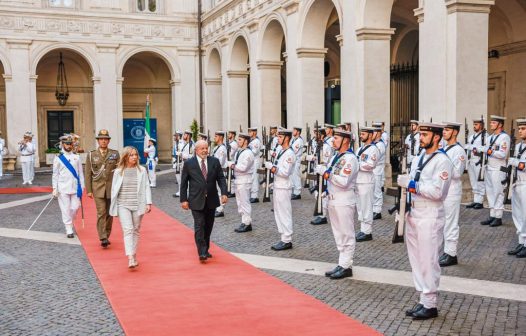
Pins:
x: 188, y: 132
x: 28, y: 134
x: 66, y: 139
x: 414, y: 122
x: 521, y: 122
x: 244, y: 136
x: 203, y: 135
x: 497, y: 118
x: 431, y: 127
x: 479, y: 120
x: 284, y: 131
x: 329, y: 126
x: 153, y: 140
x: 252, y: 129
x: 452, y: 125
x: 377, y: 124
x: 367, y: 129
x: 178, y: 133
x: 220, y: 133
x: 342, y: 133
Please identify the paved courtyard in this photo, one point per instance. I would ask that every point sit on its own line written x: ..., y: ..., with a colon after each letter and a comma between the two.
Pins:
x: 49, y: 288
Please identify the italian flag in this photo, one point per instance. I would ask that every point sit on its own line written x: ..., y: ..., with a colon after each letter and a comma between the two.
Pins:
x: 147, y: 122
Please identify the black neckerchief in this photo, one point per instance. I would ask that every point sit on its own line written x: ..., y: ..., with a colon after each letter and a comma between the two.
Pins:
x: 492, y: 142
x: 521, y: 151
x: 215, y: 149
x: 280, y: 155
x: 475, y: 137
x: 422, y: 164
x: 363, y: 149
x: 336, y: 159
x: 238, y: 154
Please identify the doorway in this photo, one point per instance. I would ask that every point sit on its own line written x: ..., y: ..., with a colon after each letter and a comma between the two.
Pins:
x: 58, y: 123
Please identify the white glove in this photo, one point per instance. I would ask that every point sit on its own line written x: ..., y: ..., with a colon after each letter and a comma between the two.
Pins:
x: 403, y: 180
x: 229, y: 164
x: 513, y: 162
x: 310, y: 157
x: 320, y: 169
x: 268, y: 165
x: 468, y: 147
x: 55, y: 193
x: 482, y: 149
x: 173, y: 160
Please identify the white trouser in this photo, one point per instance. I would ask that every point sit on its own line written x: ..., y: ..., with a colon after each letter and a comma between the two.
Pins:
x: 254, y: 190
x: 378, y: 199
x: 342, y: 224
x: 479, y: 189
x: 150, y: 166
x: 1, y: 164
x: 518, y: 206
x: 26, y: 171
x: 131, y: 223
x: 244, y: 208
x: 220, y: 208
x: 69, y: 204
x: 365, y: 206
x: 283, y: 213
x: 32, y: 169
x: 424, y: 236
x: 296, y: 177
x: 451, y: 228
x: 495, y: 192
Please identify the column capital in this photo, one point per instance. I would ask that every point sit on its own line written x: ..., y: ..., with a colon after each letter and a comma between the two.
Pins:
x: 469, y: 6
x: 311, y: 52
x: 96, y: 80
x: 107, y: 48
x: 269, y: 64
x: 213, y: 81
x: 33, y: 78
x: 290, y: 6
x: 7, y: 78
x: 366, y: 33
x: 19, y: 44
x: 188, y: 51
x: 419, y: 13
x: 175, y: 82
x: 120, y: 80
x: 339, y: 39
x: 237, y: 73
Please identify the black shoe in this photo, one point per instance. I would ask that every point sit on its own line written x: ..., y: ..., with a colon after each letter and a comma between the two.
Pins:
x: 521, y: 253
x: 413, y: 310
x: 377, y: 215
x: 364, y: 237
x: 104, y: 243
x: 175, y: 196
x: 208, y: 255
x: 425, y: 313
x: 341, y: 273
x: 516, y: 250
x: 202, y: 258
x: 70, y: 235
x: 496, y: 222
x: 478, y: 206
x: 448, y: 261
x: 295, y: 197
x: 470, y: 205
x: 319, y: 220
x: 336, y: 269
x: 487, y: 221
x: 219, y: 214
x: 244, y: 228
x: 231, y: 195
x: 254, y: 200
x: 313, y: 189
x: 442, y: 257
x: 280, y: 246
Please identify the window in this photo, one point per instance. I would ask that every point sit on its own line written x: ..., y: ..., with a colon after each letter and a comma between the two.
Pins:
x: 147, y: 6
x: 62, y: 3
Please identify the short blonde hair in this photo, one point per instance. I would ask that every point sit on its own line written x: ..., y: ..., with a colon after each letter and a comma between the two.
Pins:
x: 125, y: 154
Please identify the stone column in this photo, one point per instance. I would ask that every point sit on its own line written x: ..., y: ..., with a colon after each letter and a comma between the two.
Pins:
x: 256, y: 96
x: 213, y: 105
x: 188, y: 107
x: 175, y: 87
x: 293, y: 114
x: 311, y: 86
x: 237, y: 113
x: 269, y: 87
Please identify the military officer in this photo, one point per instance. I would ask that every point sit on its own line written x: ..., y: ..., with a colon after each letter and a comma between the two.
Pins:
x: 243, y: 166
x: 476, y: 140
x: 98, y: 172
x: 340, y: 174
x: 379, y: 172
x: 457, y: 155
x: 283, y: 168
x: 219, y: 153
x: 68, y: 182
x: 428, y: 183
x: 27, y: 150
x: 518, y: 197
x: 2, y: 152
x: 187, y: 151
x: 367, y: 159
x: 496, y: 152
x: 412, y: 142
x: 151, y: 161
x: 233, y: 150
x: 297, y: 146
x: 175, y: 148
x: 255, y: 147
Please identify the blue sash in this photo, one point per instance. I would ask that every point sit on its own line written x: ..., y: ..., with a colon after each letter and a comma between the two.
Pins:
x: 72, y: 171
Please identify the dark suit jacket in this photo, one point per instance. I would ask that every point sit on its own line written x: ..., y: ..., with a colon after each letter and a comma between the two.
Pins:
x: 201, y: 194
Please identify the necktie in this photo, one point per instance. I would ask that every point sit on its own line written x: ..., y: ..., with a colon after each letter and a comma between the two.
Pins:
x: 203, y: 168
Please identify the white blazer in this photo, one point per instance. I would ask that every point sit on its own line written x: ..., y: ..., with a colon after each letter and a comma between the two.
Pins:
x: 144, y: 193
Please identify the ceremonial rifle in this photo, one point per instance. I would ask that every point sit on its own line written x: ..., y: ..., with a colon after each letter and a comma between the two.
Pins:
x: 466, y: 139
x: 401, y: 205
x: 483, y: 156
x: 266, y: 153
x: 177, y: 157
x: 228, y: 168
x: 511, y: 176
x: 308, y: 164
x: 318, y: 208
x: 359, y: 132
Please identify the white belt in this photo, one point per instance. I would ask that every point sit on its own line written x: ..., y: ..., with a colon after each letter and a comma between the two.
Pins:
x: 340, y: 195
x: 426, y: 204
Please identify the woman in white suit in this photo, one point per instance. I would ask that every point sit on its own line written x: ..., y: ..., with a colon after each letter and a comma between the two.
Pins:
x: 131, y: 198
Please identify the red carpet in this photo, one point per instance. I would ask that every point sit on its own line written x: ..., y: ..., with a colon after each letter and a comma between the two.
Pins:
x: 28, y: 190
x: 171, y: 293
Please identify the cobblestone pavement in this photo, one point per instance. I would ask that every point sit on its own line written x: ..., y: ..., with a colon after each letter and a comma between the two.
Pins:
x: 68, y: 284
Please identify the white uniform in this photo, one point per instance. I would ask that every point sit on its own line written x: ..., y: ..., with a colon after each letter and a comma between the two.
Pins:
x: 233, y: 150
x: 474, y: 165
x: 457, y: 155
x: 326, y: 154
x: 379, y: 177
x: 275, y: 148
x: 284, y: 164
x: 385, y: 138
x: 2, y: 146
x: 367, y: 160
x: 66, y: 184
x: 151, y: 163
x: 255, y: 147
x: 243, y: 171
x: 518, y: 197
x: 220, y: 154
x: 178, y: 153
x: 500, y: 144
x: 425, y: 223
x: 297, y: 147
x: 187, y: 151
x: 27, y: 152
x: 412, y: 142
x: 342, y: 204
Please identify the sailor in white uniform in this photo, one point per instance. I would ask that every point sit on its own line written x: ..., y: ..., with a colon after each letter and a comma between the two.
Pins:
x: 219, y: 153
x: 518, y: 197
x: 476, y: 140
x: 151, y: 161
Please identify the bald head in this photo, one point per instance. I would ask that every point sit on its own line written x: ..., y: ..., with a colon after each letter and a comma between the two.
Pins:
x: 201, y: 149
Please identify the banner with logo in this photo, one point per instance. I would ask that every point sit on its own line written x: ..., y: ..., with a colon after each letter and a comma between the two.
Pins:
x: 134, y: 133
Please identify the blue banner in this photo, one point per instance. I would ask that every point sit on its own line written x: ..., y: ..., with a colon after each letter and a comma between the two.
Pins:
x: 134, y: 134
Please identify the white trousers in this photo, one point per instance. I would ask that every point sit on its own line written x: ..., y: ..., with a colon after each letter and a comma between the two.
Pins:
x: 365, y: 206
x: 479, y: 188
x: 1, y: 164
x: 221, y: 207
x: 69, y: 204
x: 27, y: 171
x: 342, y: 224
x: 244, y: 208
x: 424, y: 236
x: 296, y: 177
x: 151, y: 172
x: 451, y: 228
x: 378, y: 194
x: 254, y: 190
x: 518, y: 206
x: 283, y: 213
x: 131, y: 224
x: 495, y: 192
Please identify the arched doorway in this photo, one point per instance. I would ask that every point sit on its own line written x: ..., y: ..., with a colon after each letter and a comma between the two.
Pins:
x: 77, y: 114
x: 238, y: 110
x: 214, y: 93
x: 147, y: 74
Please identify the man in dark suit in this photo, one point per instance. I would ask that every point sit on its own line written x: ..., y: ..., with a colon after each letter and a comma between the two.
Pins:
x: 199, y: 179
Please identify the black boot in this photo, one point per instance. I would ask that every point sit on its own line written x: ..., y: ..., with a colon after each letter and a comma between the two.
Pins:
x: 516, y: 250
x: 487, y: 221
x: 295, y: 197
x: 413, y: 310
x: 254, y: 200
x: 425, y: 313
x: 244, y: 228
x: 336, y: 269
x: 377, y: 215
x: 219, y: 214
x: 280, y: 246
x: 448, y: 261
x: 341, y: 273
x: 478, y: 206
x: 521, y: 253
x: 471, y: 205
x: 319, y: 220
x: 496, y: 222
x: 231, y: 195
x: 364, y: 237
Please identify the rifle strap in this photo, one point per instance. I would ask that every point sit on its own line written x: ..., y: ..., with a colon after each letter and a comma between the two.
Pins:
x: 422, y: 164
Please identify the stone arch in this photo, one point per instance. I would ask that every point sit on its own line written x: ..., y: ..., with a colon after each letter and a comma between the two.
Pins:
x: 405, y: 48
x: 376, y: 13
x: 314, y: 19
x: 213, y: 95
x: 273, y: 32
x: 237, y: 107
x: 87, y: 54
x: 4, y: 59
x: 239, y: 52
x: 169, y: 59
x: 213, y: 68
